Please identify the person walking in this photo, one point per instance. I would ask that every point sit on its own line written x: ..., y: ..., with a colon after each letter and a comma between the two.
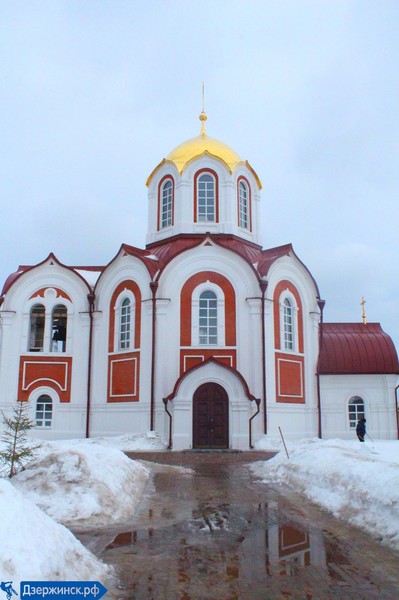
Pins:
x: 361, y: 429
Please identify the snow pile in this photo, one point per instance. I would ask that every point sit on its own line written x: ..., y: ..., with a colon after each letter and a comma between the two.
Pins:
x: 139, y: 442
x: 356, y: 482
x: 34, y: 547
x: 83, y: 485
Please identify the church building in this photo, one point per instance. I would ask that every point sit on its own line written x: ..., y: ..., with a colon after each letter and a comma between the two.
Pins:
x: 202, y: 336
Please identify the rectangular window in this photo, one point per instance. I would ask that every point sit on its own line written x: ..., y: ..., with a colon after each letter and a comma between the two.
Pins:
x: 125, y: 325
x: 208, y: 320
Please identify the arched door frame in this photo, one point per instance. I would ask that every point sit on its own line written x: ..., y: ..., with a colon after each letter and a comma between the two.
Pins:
x: 210, y: 417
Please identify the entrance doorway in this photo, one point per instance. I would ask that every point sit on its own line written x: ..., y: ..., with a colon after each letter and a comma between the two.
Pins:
x: 210, y: 417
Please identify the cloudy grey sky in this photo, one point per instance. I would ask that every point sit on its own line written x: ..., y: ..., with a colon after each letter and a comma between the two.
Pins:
x: 94, y: 93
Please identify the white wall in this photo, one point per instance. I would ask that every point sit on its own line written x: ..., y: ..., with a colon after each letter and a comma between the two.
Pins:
x: 378, y: 393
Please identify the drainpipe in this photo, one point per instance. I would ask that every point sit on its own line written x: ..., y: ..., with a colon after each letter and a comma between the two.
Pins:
x: 257, y: 400
x: 1, y: 319
x: 153, y: 287
x: 321, y: 304
x: 165, y: 401
x: 396, y: 409
x: 91, y: 298
x: 263, y: 286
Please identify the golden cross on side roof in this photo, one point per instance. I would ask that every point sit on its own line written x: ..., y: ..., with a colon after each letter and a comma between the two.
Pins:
x: 363, y: 302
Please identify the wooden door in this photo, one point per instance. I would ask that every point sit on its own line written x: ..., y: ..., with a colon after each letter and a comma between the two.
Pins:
x: 210, y: 417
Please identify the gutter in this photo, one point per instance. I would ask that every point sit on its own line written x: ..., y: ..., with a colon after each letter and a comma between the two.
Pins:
x: 165, y: 402
x: 153, y: 287
x: 321, y: 304
x: 263, y: 286
x: 257, y: 400
x: 91, y: 298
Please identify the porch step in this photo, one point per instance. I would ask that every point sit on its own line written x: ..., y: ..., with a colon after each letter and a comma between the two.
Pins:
x: 213, y: 450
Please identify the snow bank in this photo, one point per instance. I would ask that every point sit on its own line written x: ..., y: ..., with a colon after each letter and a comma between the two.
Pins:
x: 139, y: 442
x: 34, y: 547
x: 83, y: 485
x: 356, y: 482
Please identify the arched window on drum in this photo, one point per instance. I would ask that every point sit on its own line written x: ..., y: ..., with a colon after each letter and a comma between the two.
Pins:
x: 206, y: 198
x: 243, y: 205
x: 166, y: 204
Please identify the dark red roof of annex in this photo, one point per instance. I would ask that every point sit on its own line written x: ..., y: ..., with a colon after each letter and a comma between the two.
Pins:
x: 356, y: 348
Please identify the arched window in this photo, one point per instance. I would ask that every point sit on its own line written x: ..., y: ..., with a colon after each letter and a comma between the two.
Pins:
x: 58, y: 328
x: 125, y: 324
x: 243, y: 205
x: 36, y: 328
x: 355, y: 410
x: 208, y: 318
x: 206, y: 198
x: 44, y: 412
x: 166, y: 204
x: 288, y: 325
x: 288, y: 319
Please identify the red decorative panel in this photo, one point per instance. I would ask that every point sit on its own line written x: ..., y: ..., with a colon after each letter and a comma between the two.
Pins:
x: 60, y: 294
x: 292, y: 541
x: 123, y: 377
x: 53, y: 372
x: 191, y: 358
x: 290, y: 378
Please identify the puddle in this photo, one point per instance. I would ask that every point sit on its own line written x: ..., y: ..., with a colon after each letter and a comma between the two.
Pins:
x: 209, y: 533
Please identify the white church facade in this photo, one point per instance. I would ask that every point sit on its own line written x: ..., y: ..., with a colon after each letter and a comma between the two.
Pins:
x: 203, y: 336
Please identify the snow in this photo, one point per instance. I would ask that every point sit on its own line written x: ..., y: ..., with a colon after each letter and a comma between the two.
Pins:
x: 80, y: 483
x: 91, y: 276
x: 83, y: 485
x: 139, y: 442
x: 91, y: 483
x: 34, y: 547
x: 356, y: 482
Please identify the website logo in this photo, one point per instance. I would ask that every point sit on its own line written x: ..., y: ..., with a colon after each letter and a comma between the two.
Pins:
x: 6, y: 586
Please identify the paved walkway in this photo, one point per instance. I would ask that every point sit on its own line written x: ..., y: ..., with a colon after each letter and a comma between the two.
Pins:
x: 215, y: 532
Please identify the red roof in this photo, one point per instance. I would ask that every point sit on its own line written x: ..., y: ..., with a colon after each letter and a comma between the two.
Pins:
x: 355, y: 348
x: 260, y: 260
x: 11, y: 279
x: 159, y: 254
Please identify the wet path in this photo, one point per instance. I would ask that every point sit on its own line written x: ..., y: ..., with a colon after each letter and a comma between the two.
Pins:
x: 215, y: 532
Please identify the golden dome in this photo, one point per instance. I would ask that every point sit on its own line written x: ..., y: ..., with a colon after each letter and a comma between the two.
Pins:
x: 182, y: 155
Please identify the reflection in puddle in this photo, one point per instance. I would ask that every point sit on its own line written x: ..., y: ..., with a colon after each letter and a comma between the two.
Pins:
x: 200, y: 538
x: 220, y: 545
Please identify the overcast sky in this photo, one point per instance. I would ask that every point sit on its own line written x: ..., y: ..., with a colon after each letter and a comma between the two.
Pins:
x: 94, y: 93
